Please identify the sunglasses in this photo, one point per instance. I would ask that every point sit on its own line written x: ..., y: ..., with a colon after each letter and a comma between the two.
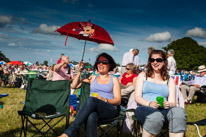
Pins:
x: 105, y: 62
x: 127, y: 69
x: 157, y: 59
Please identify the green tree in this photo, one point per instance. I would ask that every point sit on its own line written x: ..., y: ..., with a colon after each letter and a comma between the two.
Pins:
x: 74, y: 62
x: 45, y: 63
x: 3, y: 57
x: 188, y: 54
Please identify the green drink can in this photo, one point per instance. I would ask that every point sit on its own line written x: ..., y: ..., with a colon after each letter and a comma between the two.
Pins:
x: 160, y: 101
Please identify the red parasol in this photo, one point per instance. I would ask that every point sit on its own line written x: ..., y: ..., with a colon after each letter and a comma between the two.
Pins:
x: 15, y: 63
x: 86, y: 31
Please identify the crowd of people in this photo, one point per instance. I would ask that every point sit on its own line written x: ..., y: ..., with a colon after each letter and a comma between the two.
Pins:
x: 147, y: 84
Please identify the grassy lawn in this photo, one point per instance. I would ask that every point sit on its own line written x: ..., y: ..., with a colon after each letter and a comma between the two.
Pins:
x: 10, y: 121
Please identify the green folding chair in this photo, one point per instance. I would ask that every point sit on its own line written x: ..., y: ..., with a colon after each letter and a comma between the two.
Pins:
x: 45, y: 100
x: 111, y: 123
x: 32, y: 74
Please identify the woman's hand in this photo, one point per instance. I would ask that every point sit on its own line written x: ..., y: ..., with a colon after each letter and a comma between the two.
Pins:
x: 154, y: 104
x: 101, y: 98
x: 166, y: 104
x: 80, y: 65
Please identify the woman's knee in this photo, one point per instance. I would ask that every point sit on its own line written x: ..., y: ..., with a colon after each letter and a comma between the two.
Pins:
x: 177, y: 120
x: 154, y: 123
x: 92, y: 117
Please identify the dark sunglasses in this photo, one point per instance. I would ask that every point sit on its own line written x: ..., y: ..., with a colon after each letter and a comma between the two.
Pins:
x: 157, y: 59
x: 127, y: 69
x: 103, y: 62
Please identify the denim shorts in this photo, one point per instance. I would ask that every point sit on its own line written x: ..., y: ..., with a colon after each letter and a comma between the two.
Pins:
x: 154, y: 119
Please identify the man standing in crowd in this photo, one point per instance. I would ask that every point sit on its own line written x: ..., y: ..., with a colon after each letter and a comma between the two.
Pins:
x: 59, y: 60
x: 171, y: 62
x: 136, y: 61
x: 150, y: 49
x: 128, y: 57
x: 62, y: 71
x: 193, y: 85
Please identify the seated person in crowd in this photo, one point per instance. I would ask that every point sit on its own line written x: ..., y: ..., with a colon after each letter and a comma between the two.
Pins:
x: 50, y: 74
x: 151, y: 84
x: 22, y: 73
x: 99, y: 107
x: 128, y: 79
x: 193, y: 85
x: 43, y: 72
x: 9, y: 71
x: 1, y: 74
x: 62, y: 71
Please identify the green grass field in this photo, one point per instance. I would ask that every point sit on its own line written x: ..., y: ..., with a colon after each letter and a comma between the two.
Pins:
x: 10, y: 121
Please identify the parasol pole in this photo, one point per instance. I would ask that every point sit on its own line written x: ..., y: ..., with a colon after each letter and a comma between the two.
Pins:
x: 84, y: 49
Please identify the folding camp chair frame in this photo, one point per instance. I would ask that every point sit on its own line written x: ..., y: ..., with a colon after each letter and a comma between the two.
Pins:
x: 26, y: 118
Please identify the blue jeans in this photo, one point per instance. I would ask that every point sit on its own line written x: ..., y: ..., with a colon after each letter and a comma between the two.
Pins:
x: 154, y: 119
x: 92, y: 111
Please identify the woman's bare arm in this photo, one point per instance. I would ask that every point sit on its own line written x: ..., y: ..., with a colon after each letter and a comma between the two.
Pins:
x: 138, y: 90
x: 172, y: 93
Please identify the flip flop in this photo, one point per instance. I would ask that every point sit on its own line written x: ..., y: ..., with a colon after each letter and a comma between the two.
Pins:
x: 3, y: 95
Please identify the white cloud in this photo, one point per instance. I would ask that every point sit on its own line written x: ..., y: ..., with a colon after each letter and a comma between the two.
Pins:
x: 202, y: 43
x: 159, y: 37
x: 12, y: 44
x: 5, y: 20
x: 23, y: 20
x: 197, y: 32
x: 101, y: 47
x: 45, y: 29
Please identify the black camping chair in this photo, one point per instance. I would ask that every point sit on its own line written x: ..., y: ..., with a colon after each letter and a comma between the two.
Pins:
x: 198, y: 123
x: 201, y: 95
x: 115, y: 122
x: 201, y: 98
x: 45, y: 100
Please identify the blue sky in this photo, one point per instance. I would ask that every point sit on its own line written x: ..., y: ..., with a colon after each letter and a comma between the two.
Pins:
x: 27, y: 26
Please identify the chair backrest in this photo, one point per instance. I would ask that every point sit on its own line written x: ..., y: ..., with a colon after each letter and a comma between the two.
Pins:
x: 49, y: 97
x: 85, y: 92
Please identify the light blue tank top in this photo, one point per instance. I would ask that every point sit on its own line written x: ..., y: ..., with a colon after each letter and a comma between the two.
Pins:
x: 104, y: 90
x: 152, y: 90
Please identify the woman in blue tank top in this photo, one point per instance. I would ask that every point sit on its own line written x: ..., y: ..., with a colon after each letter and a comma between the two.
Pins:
x: 153, y: 83
x: 103, y: 101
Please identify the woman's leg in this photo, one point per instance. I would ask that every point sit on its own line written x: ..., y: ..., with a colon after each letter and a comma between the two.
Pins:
x: 176, y: 134
x: 151, y: 118
x: 91, y: 125
x: 103, y: 111
x: 177, y: 121
x: 146, y: 134
x: 88, y: 107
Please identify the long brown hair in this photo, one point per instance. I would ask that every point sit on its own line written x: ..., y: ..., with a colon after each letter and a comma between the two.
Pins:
x: 163, y: 71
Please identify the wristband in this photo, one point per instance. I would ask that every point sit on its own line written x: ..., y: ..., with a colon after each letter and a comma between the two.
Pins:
x: 149, y: 104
